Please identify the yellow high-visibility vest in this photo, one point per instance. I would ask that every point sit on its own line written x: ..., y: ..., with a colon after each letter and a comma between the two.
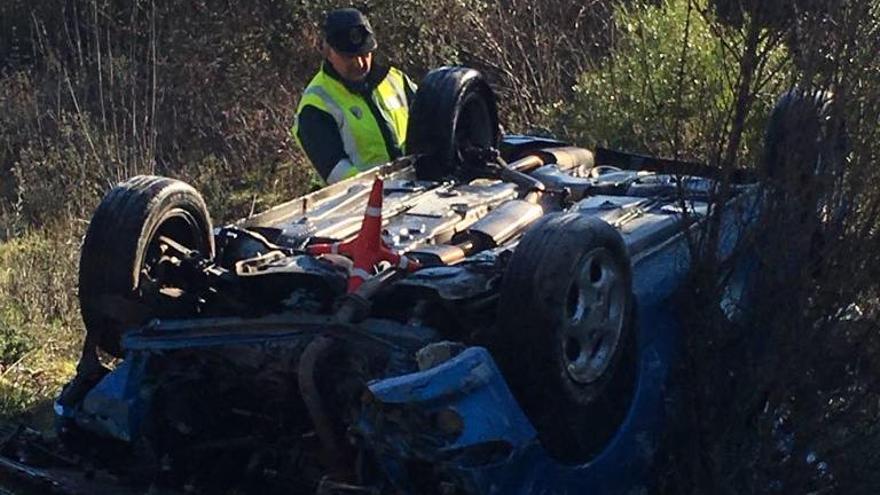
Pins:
x: 361, y: 137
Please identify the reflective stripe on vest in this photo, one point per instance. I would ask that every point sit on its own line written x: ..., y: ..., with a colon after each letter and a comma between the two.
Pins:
x: 361, y: 136
x: 341, y: 171
x: 393, y: 105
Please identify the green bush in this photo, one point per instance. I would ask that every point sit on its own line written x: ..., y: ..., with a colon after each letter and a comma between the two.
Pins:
x: 14, y: 344
x: 657, y: 94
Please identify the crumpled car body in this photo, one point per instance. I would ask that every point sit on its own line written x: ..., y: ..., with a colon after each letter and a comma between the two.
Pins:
x: 437, y: 411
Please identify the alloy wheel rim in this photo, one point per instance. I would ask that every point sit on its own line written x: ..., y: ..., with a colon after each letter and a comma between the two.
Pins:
x: 594, y: 317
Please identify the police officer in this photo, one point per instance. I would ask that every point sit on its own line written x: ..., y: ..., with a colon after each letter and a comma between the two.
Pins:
x: 353, y: 114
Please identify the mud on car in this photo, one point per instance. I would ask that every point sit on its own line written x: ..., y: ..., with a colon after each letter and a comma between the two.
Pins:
x: 487, y: 314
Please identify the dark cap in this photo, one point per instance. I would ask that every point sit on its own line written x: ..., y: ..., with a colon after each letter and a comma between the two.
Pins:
x: 348, y: 31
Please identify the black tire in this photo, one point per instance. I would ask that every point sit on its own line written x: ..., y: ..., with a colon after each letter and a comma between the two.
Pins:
x: 804, y: 157
x: 573, y: 374
x: 454, y: 109
x: 804, y: 145
x: 119, y: 240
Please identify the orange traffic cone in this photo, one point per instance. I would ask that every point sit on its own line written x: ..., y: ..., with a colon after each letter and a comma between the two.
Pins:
x: 368, y: 248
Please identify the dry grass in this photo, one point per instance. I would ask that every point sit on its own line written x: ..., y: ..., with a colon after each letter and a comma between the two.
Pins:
x: 40, y: 328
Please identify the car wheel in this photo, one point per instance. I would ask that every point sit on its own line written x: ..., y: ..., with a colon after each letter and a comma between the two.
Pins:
x: 803, y: 136
x: 803, y: 161
x: 454, y: 110
x: 566, y: 335
x: 804, y: 149
x: 121, y: 249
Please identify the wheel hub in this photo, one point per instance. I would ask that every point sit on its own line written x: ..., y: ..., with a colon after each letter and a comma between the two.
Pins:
x: 594, y: 317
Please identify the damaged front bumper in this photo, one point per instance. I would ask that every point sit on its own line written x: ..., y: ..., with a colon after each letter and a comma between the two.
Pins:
x: 458, y: 424
x: 455, y: 425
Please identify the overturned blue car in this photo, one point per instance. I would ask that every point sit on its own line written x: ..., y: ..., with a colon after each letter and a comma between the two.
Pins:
x: 485, y: 315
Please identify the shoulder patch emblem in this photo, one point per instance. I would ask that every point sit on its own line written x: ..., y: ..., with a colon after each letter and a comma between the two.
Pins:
x: 356, y: 111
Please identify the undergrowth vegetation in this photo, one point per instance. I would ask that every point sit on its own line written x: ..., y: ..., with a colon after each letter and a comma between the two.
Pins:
x: 40, y: 328
x: 669, y: 84
x: 94, y: 91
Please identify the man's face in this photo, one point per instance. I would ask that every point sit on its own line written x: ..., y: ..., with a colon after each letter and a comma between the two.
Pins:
x: 353, y: 68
